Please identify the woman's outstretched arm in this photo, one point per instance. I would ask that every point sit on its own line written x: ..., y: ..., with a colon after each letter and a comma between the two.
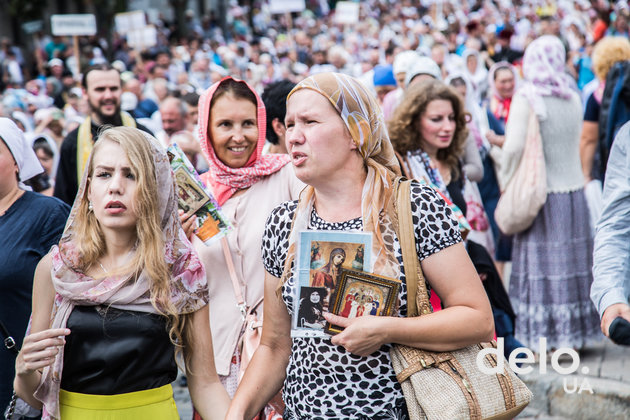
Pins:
x: 208, y: 395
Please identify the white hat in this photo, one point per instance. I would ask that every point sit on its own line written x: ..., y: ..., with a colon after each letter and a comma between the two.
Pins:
x: 424, y: 65
x: 128, y: 101
x: 55, y: 62
x: 404, y: 61
x: 119, y: 65
x: 27, y: 162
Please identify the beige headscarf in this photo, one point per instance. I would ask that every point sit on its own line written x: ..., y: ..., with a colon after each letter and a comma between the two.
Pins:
x: 363, y: 117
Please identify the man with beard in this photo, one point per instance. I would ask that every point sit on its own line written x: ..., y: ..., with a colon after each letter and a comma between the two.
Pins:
x: 102, y: 87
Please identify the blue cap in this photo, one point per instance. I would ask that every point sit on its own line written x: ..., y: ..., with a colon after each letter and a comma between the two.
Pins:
x: 384, y: 75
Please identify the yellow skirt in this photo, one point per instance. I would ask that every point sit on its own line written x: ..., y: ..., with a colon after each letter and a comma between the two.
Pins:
x: 151, y: 404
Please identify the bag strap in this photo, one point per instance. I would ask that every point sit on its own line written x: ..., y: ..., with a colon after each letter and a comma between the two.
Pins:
x: 404, y: 164
x: 236, y: 284
x: 9, y: 342
x: 417, y: 300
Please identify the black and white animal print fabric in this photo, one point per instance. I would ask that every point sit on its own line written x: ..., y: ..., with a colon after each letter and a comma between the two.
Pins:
x: 325, y: 381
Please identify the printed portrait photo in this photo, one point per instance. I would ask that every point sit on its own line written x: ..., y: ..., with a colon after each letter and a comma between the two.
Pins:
x: 311, y: 310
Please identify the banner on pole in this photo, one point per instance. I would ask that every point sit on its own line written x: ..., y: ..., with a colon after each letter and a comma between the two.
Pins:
x: 286, y: 6
x: 347, y: 12
x: 69, y: 25
x: 128, y: 21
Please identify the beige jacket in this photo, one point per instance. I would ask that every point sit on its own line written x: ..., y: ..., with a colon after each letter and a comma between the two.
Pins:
x: 248, y: 213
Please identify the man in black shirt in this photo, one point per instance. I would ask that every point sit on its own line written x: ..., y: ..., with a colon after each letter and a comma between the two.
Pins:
x: 102, y: 85
x: 505, y: 52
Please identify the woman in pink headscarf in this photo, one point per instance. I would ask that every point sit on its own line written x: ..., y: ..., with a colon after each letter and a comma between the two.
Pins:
x: 247, y: 185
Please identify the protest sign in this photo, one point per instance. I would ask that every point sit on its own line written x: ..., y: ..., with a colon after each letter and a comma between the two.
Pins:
x: 73, y: 25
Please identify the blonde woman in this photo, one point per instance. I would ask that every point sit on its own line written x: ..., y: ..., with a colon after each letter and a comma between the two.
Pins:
x: 123, y: 265
x: 607, y: 52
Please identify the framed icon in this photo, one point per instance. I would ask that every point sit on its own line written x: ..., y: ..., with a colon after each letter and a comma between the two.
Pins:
x: 360, y: 294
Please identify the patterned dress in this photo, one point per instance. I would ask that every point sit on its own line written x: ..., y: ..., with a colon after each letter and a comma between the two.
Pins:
x: 325, y: 381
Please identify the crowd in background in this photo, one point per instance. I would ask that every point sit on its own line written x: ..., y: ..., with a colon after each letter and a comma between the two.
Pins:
x: 478, y: 48
x: 278, y: 48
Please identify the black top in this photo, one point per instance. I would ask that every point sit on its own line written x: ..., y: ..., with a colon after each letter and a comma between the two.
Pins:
x: 507, y: 54
x: 28, y: 229
x: 111, y: 351
x: 455, y: 189
x: 591, y: 112
x: 66, y: 183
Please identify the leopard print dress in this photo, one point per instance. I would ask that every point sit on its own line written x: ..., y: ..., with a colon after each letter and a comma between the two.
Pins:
x: 325, y: 381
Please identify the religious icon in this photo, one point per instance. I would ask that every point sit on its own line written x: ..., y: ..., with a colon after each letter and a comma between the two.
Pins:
x: 361, y: 294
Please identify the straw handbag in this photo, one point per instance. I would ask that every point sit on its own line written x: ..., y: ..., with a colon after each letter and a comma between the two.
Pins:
x: 447, y: 385
x: 526, y: 192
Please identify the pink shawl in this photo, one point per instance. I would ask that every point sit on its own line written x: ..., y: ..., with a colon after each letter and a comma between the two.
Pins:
x: 223, y: 180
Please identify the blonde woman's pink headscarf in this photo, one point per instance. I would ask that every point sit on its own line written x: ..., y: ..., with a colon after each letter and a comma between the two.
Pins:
x: 188, y: 284
x: 223, y: 180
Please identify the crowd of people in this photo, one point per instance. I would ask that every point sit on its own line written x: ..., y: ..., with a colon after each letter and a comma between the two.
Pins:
x: 294, y: 123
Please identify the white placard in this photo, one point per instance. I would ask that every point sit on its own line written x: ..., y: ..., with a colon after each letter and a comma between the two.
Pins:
x: 347, y: 12
x: 127, y: 21
x: 284, y: 6
x: 142, y: 38
x: 66, y: 25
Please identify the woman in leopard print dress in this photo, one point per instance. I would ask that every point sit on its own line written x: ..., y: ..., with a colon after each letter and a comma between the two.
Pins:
x: 339, y: 146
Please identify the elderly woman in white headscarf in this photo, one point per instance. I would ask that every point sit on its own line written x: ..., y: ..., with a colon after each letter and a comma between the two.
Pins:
x: 403, y: 62
x: 30, y: 224
x: 47, y: 153
x: 475, y: 69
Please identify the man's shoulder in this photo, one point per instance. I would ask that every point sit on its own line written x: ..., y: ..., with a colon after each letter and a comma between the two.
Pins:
x: 622, y: 139
x: 70, y: 141
x: 143, y: 128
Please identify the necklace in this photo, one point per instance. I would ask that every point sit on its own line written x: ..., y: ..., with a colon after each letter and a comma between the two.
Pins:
x: 103, y: 268
x: 106, y: 271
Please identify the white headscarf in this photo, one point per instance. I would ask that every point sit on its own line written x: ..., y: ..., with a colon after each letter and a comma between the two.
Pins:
x: 479, y: 78
x: 27, y: 162
x: 32, y: 137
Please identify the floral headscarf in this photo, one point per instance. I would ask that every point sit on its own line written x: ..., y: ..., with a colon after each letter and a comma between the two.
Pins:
x: 500, y: 106
x: 544, y: 71
x: 361, y: 114
x: 189, y: 290
x: 224, y: 180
